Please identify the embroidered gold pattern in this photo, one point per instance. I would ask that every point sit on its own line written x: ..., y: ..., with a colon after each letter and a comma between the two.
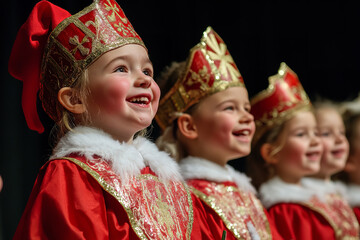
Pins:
x: 235, y: 208
x: 339, y: 215
x: 156, y: 210
x: 209, y: 69
x: 79, y: 45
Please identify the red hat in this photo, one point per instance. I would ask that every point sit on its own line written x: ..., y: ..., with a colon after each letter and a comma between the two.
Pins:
x: 209, y: 69
x: 53, y: 48
x: 284, y: 96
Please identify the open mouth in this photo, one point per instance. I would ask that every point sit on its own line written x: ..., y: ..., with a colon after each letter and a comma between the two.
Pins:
x: 142, y: 100
x: 338, y: 153
x: 313, y: 155
x: 244, y: 132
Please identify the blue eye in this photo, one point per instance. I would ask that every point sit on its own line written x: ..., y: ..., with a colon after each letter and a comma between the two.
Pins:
x: 229, y: 108
x: 325, y: 134
x: 148, y: 72
x: 120, y: 69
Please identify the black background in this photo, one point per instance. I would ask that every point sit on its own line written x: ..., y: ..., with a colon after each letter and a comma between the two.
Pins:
x: 319, y: 40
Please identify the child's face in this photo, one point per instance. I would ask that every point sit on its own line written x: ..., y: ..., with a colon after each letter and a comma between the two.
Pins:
x: 301, y: 151
x: 332, y: 135
x: 123, y: 94
x: 353, y: 163
x: 224, y: 125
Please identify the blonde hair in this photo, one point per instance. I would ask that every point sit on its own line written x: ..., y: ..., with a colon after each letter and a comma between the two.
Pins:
x: 169, y: 141
x: 257, y: 168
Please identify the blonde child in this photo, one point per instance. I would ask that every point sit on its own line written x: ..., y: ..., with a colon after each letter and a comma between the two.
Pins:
x: 350, y: 175
x: 286, y: 148
x: 206, y: 121
x: 336, y: 148
x: 95, y: 80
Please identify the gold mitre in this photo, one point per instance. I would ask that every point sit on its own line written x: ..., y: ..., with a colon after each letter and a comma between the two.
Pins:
x: 209, y: 69
x: 284, y: 96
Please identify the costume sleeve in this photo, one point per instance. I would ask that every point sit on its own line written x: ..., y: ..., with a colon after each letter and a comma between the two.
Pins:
x: 202, y: 227
x: 294, y: 221
x: 274, y: 233
x: 67, y: 203
x: 207, y: 223
x: 357, y: 213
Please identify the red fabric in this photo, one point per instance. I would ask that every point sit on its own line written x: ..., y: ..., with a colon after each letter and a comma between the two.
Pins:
x: 67, y: 203
x: 26, y: 55
x: 294, y: 221
x: 357, y: 213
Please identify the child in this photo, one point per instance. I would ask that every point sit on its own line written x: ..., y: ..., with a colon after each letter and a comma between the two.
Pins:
x: 350, y: 175
x: 286, y: 147
x: 96, y: 82
x: 206, y: 122
x: 336, y: 148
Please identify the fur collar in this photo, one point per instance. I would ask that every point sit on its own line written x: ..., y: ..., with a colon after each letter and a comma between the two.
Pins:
x: 198, y: 168
x: 126, y: 160
x: 277, y: 191
x: 324, y: 187
x: 353, y: 195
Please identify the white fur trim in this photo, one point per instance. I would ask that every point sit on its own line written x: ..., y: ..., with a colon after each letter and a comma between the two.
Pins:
x: 277, y: 191
x: 323, y: 187
x: 199, y: 168
x: 127, y: 160
x: 353, y: 195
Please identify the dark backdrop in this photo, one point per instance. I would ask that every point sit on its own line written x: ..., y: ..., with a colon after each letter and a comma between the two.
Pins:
x: 320, y: 41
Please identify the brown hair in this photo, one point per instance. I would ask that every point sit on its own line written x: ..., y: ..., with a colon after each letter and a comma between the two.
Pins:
x: 257, y: 168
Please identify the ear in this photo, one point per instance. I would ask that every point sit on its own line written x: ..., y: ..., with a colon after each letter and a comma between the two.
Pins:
x: 266, y: 153
x: 69, y: 100
x: 186, y: 126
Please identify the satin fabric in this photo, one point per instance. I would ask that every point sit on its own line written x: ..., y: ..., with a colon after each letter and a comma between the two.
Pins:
x: 357, y: 213
x: 67, y: 203
x: 294, y: 221
x: 215, y: 222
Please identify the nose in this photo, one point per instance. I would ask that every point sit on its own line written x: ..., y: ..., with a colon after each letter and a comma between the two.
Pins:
x: 246, y: 117
x: 340, y: 137
x: 315, y: 139
x: 143, y: 81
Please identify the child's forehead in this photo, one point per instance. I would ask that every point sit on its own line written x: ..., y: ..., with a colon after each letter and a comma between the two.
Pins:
x: 303, y: 118
x: 130, y: 52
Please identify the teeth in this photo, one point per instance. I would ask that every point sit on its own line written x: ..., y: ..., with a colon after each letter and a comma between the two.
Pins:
x: 140, y: 99
x: 242, y: 133
x: 246, y: 132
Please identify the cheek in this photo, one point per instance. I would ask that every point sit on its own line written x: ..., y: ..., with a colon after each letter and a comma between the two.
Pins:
x: 219, y: 127
x: 293, y: 153
x: 112, y: 95
x: 156, y: 95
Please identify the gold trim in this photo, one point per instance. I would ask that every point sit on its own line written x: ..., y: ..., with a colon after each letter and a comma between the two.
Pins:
x: 209, y: 200
x: 136, y: 228
x: 337, y: 230
x: 177, y: 99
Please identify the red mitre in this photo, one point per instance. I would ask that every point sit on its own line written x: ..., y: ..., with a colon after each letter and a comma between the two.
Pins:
x: 53, y: 48
x: 209, y: 69
x: 284, y: 96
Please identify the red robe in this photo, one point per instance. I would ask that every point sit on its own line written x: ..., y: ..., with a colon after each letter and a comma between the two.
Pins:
x: 299, y: 213
x: 230, y: 208
x: 78, y: 198
x: 357, y: 213
x: 353, y: 197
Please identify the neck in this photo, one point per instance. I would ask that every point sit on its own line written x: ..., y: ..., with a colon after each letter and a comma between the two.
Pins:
x: 289, y: 177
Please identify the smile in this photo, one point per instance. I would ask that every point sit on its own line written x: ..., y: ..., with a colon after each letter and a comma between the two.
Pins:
x: 244, y: 132
x: 142, y: 100
x: 314, y: 156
